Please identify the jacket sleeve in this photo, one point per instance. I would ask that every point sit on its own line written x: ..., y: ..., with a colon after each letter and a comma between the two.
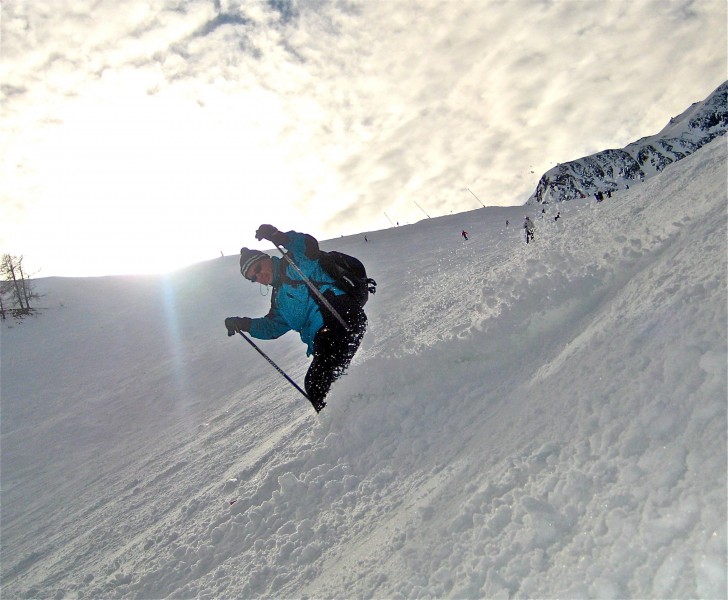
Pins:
x: 273, y: 325
x: 279, y: 238
x: 270, y: 327
x: 301, y: 244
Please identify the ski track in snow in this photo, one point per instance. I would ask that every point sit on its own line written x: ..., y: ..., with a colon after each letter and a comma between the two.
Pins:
x: 542, y: 420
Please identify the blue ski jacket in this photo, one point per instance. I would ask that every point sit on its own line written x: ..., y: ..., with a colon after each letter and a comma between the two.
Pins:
x: 293, y: 305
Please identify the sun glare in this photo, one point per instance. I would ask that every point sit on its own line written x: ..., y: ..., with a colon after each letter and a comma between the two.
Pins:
x: 150, y: 183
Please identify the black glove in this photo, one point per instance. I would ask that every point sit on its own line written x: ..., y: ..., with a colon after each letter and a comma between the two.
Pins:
x: 237, y: 325
x: 266, y: 232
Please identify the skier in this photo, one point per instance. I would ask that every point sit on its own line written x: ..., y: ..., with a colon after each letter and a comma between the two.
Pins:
x: 528, y: 226
x: 295, y: 307
x: 558, y: 216
x: 465, y: 235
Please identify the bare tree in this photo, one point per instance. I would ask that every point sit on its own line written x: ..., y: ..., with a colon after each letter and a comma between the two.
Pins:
x: 2, y: 299
x: 25, y: 285
x: 16, y: 289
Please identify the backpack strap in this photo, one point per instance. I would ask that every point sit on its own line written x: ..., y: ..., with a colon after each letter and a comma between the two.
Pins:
x: 283, y: 278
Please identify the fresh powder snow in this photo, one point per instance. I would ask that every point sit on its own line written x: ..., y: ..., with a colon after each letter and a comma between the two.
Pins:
x: 543, y: 420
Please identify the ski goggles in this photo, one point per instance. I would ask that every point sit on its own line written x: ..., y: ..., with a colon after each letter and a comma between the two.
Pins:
x: 256, y: 272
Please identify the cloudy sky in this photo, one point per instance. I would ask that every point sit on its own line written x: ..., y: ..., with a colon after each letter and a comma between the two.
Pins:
x: 139, y: 136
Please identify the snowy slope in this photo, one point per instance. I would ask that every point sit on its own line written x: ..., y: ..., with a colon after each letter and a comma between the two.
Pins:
x: 522, y: 421
x: 617, y: 169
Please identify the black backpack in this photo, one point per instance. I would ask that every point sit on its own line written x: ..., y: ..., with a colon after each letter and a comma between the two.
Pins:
x: 349, y: 275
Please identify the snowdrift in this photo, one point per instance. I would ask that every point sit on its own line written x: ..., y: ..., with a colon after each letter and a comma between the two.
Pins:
x: 542, y: 420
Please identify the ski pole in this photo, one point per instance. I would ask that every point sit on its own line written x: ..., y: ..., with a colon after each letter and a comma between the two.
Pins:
x: 314, y: 289
x: 274, y: 365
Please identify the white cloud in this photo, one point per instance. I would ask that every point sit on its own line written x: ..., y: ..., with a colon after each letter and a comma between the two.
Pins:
x: 323, y: 115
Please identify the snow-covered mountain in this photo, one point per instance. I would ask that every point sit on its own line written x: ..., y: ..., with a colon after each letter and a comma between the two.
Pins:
x: 522, y: 421
x: 612, y: 170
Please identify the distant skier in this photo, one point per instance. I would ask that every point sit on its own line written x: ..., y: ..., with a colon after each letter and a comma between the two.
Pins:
x: 529, y: 228
x: 293, y: 306
x: 558, y: 216
x: 465, y: 235
x: 507, y: 223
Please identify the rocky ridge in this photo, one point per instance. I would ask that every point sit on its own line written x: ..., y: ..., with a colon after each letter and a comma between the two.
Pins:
x: 614, y: 169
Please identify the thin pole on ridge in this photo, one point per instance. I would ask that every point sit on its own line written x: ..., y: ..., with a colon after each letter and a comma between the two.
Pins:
x: 422, y: 209
x: 478, y: 199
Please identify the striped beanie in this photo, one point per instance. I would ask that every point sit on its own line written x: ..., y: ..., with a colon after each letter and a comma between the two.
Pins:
x: 248, y: 257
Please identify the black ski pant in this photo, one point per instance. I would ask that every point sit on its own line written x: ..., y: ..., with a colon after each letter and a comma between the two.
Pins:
x: 334, y: 347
